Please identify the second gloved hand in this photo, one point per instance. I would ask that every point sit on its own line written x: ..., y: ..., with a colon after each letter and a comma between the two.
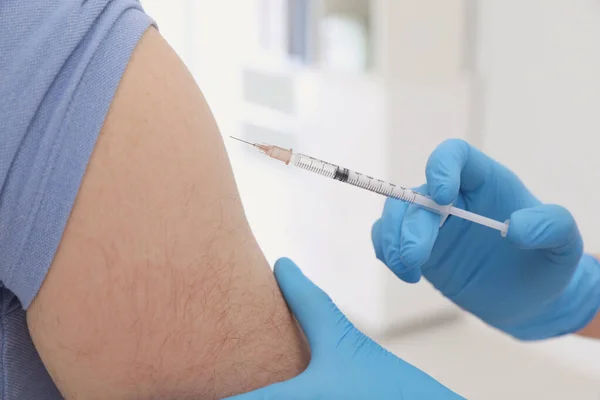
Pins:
x: 345, y: 364
x: 534, y: 284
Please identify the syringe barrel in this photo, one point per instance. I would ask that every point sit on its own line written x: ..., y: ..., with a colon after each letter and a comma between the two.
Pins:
x: 387, y: 189
x: 352, y: 177
x: 314, y: 165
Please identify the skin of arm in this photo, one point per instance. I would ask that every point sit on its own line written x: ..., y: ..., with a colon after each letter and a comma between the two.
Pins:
x: 593, y: 328
x: 159, y: 289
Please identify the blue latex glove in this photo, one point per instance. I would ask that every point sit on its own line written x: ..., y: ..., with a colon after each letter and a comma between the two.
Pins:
x: 534, y: 284
x: 345, y: 364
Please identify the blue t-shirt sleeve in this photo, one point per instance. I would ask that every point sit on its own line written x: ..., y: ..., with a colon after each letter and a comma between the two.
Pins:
x: 60, y: 65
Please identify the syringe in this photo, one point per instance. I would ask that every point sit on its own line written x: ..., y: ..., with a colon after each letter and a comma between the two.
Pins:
x: 366, y: 182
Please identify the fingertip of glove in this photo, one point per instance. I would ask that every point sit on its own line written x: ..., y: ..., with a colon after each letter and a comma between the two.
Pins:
x: 441, y: 187
x: 411, y: 276
x: 397, y: 268
x: 285, y: 262
x: 284, y: 267
x: 545, y: 225
x: 444, y: 168
x: 444, y: 194
x: 521, y: 228
x: 376, y: 240
x: 419, y: 233
x: 413, y: 256
x: 301, y: 294
x: 404, y: 273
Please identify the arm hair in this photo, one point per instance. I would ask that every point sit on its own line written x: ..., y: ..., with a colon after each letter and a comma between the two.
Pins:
x: 159, y: 289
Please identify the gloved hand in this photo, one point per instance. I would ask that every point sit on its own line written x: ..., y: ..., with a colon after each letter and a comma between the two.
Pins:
x: 345, y: 364
x: 534, y: 284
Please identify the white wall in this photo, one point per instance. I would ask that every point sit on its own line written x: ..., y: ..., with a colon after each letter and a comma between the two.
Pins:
x: 540, y: 64
x: 210, y: 36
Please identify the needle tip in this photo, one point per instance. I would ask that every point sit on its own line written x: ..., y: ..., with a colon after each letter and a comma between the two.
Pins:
x: 243, y: 141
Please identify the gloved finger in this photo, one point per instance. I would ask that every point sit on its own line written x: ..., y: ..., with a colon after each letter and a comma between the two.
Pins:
x: 376, y: 240
x: 411, y: 276
x: 391, y: 227
x: 455, y: 165
x: 547, y: 227
x: 318, y: 316
x: 420, y: 229
x: 407, y: 275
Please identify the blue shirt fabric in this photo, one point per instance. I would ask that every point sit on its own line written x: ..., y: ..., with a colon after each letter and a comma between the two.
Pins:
x: 60, y: 64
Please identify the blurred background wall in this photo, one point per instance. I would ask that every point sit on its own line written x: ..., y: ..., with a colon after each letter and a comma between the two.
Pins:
x: 375, y: 85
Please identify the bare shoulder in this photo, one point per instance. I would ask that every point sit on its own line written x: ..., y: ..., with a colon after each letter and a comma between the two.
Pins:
x: 159, y: 289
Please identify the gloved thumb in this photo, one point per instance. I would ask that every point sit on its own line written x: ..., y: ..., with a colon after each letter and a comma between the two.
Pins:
x: 318, y: 316
x: 547, y: 227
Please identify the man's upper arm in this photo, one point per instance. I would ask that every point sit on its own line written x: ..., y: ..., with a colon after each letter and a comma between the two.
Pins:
x: 158, y: 288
